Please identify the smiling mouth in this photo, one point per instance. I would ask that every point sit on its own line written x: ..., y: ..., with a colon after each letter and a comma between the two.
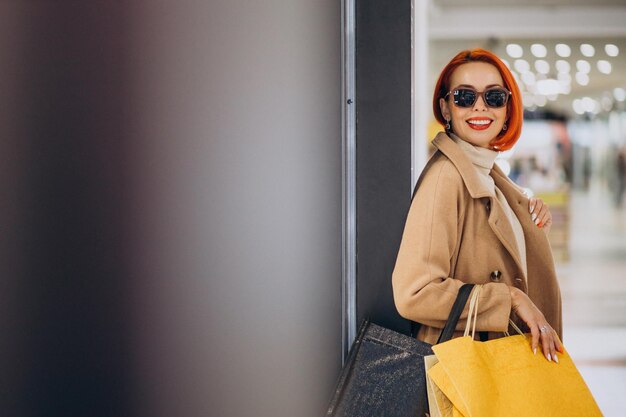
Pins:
x: 479, y: 124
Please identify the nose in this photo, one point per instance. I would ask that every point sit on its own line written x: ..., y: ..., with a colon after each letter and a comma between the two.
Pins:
x: 479, y: 104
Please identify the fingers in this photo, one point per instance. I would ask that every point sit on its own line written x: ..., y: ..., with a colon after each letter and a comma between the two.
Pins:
x: 534, y: 330
x: 543, y: 215
x: 553, y: 349
x: 534, y: 206
x: 542, y: 332
x: 539, y: 212
x: 548, y: 342
x: 531, y: 204
x: 558, y: 343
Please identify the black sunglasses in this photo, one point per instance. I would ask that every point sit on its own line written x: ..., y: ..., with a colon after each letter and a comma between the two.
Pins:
x: 466, y: 96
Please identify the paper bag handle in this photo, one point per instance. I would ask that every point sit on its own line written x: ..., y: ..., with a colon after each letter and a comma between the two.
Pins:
x: 472, y: 314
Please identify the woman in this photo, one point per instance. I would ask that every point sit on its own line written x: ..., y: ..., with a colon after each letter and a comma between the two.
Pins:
x: 468, y: 223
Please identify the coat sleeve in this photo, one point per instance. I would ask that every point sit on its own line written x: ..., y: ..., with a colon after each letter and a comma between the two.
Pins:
x: 422, y: 287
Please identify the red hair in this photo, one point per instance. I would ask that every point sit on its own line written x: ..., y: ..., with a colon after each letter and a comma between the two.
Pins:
x: 515, y: 111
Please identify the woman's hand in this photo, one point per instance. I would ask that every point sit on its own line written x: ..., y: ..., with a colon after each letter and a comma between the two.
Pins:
x: 539, y: 213
x: 536, y: 322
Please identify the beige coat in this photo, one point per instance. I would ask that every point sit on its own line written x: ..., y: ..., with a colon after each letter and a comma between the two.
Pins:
x: 457, y: 232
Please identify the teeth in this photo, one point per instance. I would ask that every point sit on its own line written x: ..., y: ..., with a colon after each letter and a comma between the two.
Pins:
x: 479, y: 122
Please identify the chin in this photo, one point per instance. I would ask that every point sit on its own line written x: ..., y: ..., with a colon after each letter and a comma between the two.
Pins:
x: 483, y: 139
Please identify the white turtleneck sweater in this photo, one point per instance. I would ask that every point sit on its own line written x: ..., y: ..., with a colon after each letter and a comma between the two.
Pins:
x: 483, y: 160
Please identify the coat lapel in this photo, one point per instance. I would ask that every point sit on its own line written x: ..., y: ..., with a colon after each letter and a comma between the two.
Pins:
x: 498, y: 220
x: 519, y: 204
x: 501, y: 226
x: 474, y: 185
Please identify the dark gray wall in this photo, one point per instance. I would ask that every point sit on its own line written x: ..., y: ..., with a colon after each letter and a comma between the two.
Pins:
x: 65, y: 281
x: 172, y: 238
x: 383, y: 62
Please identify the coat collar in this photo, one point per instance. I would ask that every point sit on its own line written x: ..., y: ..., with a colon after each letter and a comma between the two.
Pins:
x: 497, y: 218
x: 469, y: 174
x: 463, y: 164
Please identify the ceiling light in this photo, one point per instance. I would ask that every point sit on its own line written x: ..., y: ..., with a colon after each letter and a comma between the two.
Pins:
x: 515, y: 76
x: 521, y: 65
x: 566, y: 88
x: 542, y: 66
x: 528, y: 78
x: 611, y: 50
x: 596, y: 107
x: 604, y: 66
x: 587, y: 50
x: 514, y: 50
x: 505, y: 62
x: 548, y: 87
x: 583, y: 66
x: 564, y: 77
x: 589, y: 104
x: 562, y: 66
x: 527, y: 99
x: 582, y: 78
x: 578, y: 107
x: 619, y: 94
x: 538, y: 50
x: 606, y: 102
x: 562, y: 50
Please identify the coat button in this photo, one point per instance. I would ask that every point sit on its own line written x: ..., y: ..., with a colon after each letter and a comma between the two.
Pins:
x: 496, y: 276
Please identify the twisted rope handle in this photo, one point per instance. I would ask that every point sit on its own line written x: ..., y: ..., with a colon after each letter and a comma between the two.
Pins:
x: 473, y: 310
x: 514, y: 326
x: 472, y: 314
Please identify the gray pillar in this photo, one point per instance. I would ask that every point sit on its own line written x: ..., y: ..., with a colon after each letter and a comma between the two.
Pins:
x: 383, y: 105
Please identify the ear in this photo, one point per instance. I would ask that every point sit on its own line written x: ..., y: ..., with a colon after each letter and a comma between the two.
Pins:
x: 445, y: 110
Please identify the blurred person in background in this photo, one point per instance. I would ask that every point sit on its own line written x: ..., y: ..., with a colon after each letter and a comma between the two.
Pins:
x: 469, y: 223
x: 620, y: 178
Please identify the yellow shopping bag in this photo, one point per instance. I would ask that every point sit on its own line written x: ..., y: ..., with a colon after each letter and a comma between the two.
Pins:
x: 502, y: 377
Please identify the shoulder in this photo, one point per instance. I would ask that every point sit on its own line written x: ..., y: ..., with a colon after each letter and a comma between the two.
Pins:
x: 441, y: 193
x: 441, y: 172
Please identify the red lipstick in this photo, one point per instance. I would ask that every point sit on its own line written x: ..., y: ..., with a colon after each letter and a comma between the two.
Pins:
x: 479, y: 123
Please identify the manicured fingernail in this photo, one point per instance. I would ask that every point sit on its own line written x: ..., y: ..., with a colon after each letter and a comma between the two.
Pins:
x: 549, y: 357
x: 535, y: 351
x: 534, y: 217
x: 540, y: 224
x: 531, y: 208
x: 556, y: 359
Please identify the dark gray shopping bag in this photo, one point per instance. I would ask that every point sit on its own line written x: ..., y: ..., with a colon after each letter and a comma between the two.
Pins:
x: 384, y: 374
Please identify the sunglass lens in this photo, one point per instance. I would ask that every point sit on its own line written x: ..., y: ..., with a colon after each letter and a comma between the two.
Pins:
x: 495, y: 97
x: 464, y: 97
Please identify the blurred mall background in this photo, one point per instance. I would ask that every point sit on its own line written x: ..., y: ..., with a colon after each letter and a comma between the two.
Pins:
x: 182, y: 183
x: 569, y: 59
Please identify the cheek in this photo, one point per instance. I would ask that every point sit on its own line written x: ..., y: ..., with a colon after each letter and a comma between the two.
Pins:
x: 501, y: 116
x: 459, y: 115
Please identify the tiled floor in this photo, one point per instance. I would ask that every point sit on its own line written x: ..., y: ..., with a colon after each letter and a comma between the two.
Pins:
x: 593, y: 285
